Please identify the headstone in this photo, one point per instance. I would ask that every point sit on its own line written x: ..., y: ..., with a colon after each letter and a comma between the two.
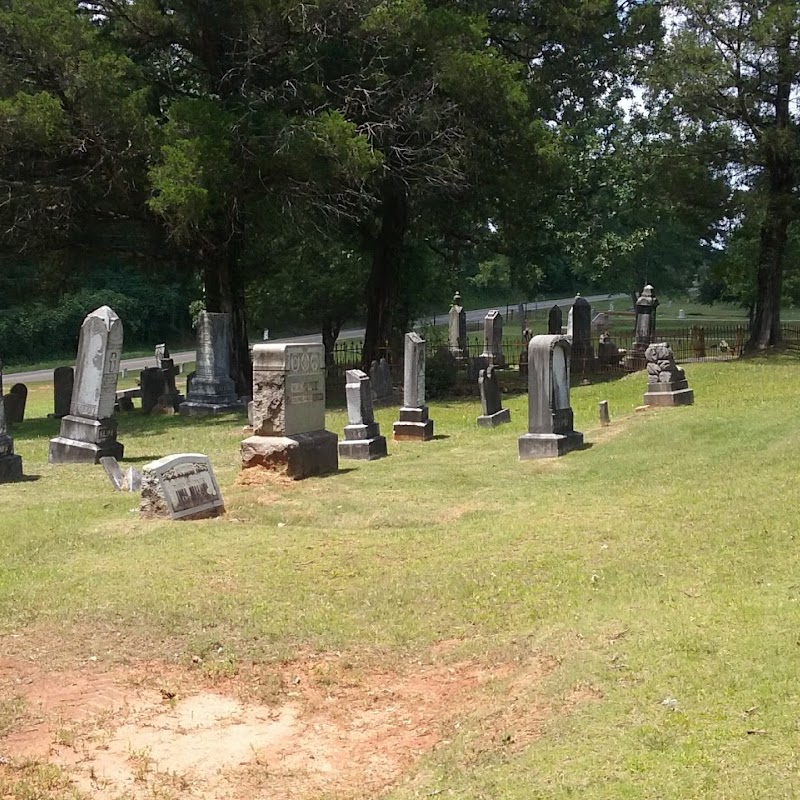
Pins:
x: 362, y: 436
x: 698, y: 334
x: 151, y: 381
x: 550, y: 419
x: 582, y: 352
x: 15, y: 402
x: 381, y: 378
x: 681, y: 314
x: 114, y: 471
x: 644, y: 330
x: 457, y: 328
x: 89, y: 431
x: 63, y: 384
x: 170, y: 398
x: 554, y: 321
x: 10, y: 464
x: 189, y: 381
x: 493, y: 340
x: 492, y: 411
x: 289, y: 412
x: 611, y: 306
x: 601, y: 322
x: 180, y: 486
x: 666, y: 381
x: 162, y: 352
x: 212, y: 389
x: 250, y: 413
x: 414, y: 424
x: 608, y: 355
x: 569, y: 325
x: 605, y: 419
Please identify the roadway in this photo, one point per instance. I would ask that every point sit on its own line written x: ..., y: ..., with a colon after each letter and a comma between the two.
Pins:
x: 138, y: 364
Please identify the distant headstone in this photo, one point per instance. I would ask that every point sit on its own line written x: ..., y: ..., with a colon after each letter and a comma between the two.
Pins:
x: 644, y: 328
x: 180, y: 486
x: 151, y: 381
x: 10, y: 464
x: 492, y: 411
x: 189, y: 381
x: 681, y: 314
x: 162, y: 352
x: 493, y: 340
x: 414, y: 424
x: 605, y: 419
x: 582, y: 353
x: 666, y: 381
x: 698, y: 333
x: 555, y: 321
x: 15, y: 402
x: 601, y: 322
x: 381, y: 378
x: 550, y: 432
x: 362, y: 436
x: 212, y: 390
x: 289, y: 412
x: 611, y: 306
x: 171, y: 398
x: 89, y: 431
x: 63, y: 384
x: 457, y: 328
x: 608, y: 354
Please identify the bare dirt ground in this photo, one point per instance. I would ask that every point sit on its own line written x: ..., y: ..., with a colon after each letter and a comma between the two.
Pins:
x: 321, y: 726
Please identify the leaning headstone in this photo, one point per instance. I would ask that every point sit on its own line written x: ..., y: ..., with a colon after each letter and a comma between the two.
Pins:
x: 414, y: 424
x: 381, y: 377
x: 10, y: 464
x: 15, y: 402
x: 644, y: 328
x: 582, y: 353
x: 289, y: 433
x: 550, y: 432
x: 180, y: 486
x: 492, y: 411
x: 63, y: 384
x: 212, y: 389
x: 555, y: 321
x: 89, y: 431
x: 362, y: 436
x: 457, y: 328
x: 151, y: 381
x: 493, y: 340
x: 114, y: 471
x: 666, y: 381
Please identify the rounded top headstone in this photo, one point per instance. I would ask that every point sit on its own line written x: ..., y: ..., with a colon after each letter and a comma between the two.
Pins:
x: 457, y: 299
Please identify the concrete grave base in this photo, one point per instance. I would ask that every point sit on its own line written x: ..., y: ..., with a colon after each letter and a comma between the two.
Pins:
x: 548, y: 445
x: 85, y: 441
x: 363, y: 449
x: 10, y: 468
x: 299, y: 456
x: 194, y: 408
x: 669, y: 394
x: 493, y: 420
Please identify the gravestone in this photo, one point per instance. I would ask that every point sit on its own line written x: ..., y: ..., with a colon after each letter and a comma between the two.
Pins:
x: 151, y: 382
x: 644, y: 328
x: 605, y: 419
x: 550, y: 432
x: 611, y: 306
x: 171, y: 398
x: 582, y: 353
x: 180, y: 486
x: 601, y: 322
x: 15, y: 402
x: 162, y: 352
x: 10, y: 464
x: 681, y: 314
x: 555, y: 321
x: 381, y: 378
x: 212, y: 389
x: 457, y: 328
x: 127, y: 481
x: 414, y: 424
x: 666, y: 381
x: 608, y: 355
x: 63, y: 384
x: 289, y: 433
x: 362, y: 436
x: 89, y: 431
x: 493, y: 340
x: 492, y: 411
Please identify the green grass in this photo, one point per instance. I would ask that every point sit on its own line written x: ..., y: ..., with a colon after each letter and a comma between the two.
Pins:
x: 661, y: 562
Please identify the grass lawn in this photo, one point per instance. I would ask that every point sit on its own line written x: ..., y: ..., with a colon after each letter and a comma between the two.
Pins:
x: 635, y: 603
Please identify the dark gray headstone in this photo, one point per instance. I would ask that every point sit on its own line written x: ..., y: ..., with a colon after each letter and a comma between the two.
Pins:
x: 492, y: 409
x: 15, y: 402
x: 381, y: 378
x: 581, y: 353
x: 151, y: 381
x: 63, y: 384
x: 554, y: 321
x: 605, y: 419
x: 10, y: 464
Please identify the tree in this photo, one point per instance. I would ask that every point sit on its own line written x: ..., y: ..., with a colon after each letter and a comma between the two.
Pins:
x: 732, y: 68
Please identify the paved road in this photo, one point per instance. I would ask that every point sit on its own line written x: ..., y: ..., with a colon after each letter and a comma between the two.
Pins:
x: 137, y: 364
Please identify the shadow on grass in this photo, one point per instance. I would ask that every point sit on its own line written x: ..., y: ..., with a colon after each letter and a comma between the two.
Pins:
x: 27, y: 479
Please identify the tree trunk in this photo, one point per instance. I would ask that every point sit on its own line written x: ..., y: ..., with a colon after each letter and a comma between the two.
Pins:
x: 330, y: 333
x: 383, y: 286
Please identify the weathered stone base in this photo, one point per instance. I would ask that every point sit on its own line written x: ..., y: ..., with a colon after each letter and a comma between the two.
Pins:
x: 85, y: 441
x: 300, y: 456
x: 363, y: 449
x: 493, y: 420
x: 413, y: 425
x: 10, y: 468
x: 680, y: 397
x: 548, y: 445
x: 195, y: 408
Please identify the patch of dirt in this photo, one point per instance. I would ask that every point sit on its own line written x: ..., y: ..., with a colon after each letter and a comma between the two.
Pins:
x: 153, y: 729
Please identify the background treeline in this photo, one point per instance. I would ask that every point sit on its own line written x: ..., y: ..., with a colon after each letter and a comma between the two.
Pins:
x: 305, y: 165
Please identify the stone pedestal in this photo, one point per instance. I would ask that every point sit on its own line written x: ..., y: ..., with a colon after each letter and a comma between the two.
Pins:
x: 301, y: 455
x: 363, y: 442
x: 10, y: 464
x: 493, y: 420
x: 413, y: 425
x: 83, y: 441
x: 548, y: 445
x: 669, y: 394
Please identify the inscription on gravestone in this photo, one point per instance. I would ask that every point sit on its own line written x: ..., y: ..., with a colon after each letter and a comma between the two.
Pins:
x: 180, y: 486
